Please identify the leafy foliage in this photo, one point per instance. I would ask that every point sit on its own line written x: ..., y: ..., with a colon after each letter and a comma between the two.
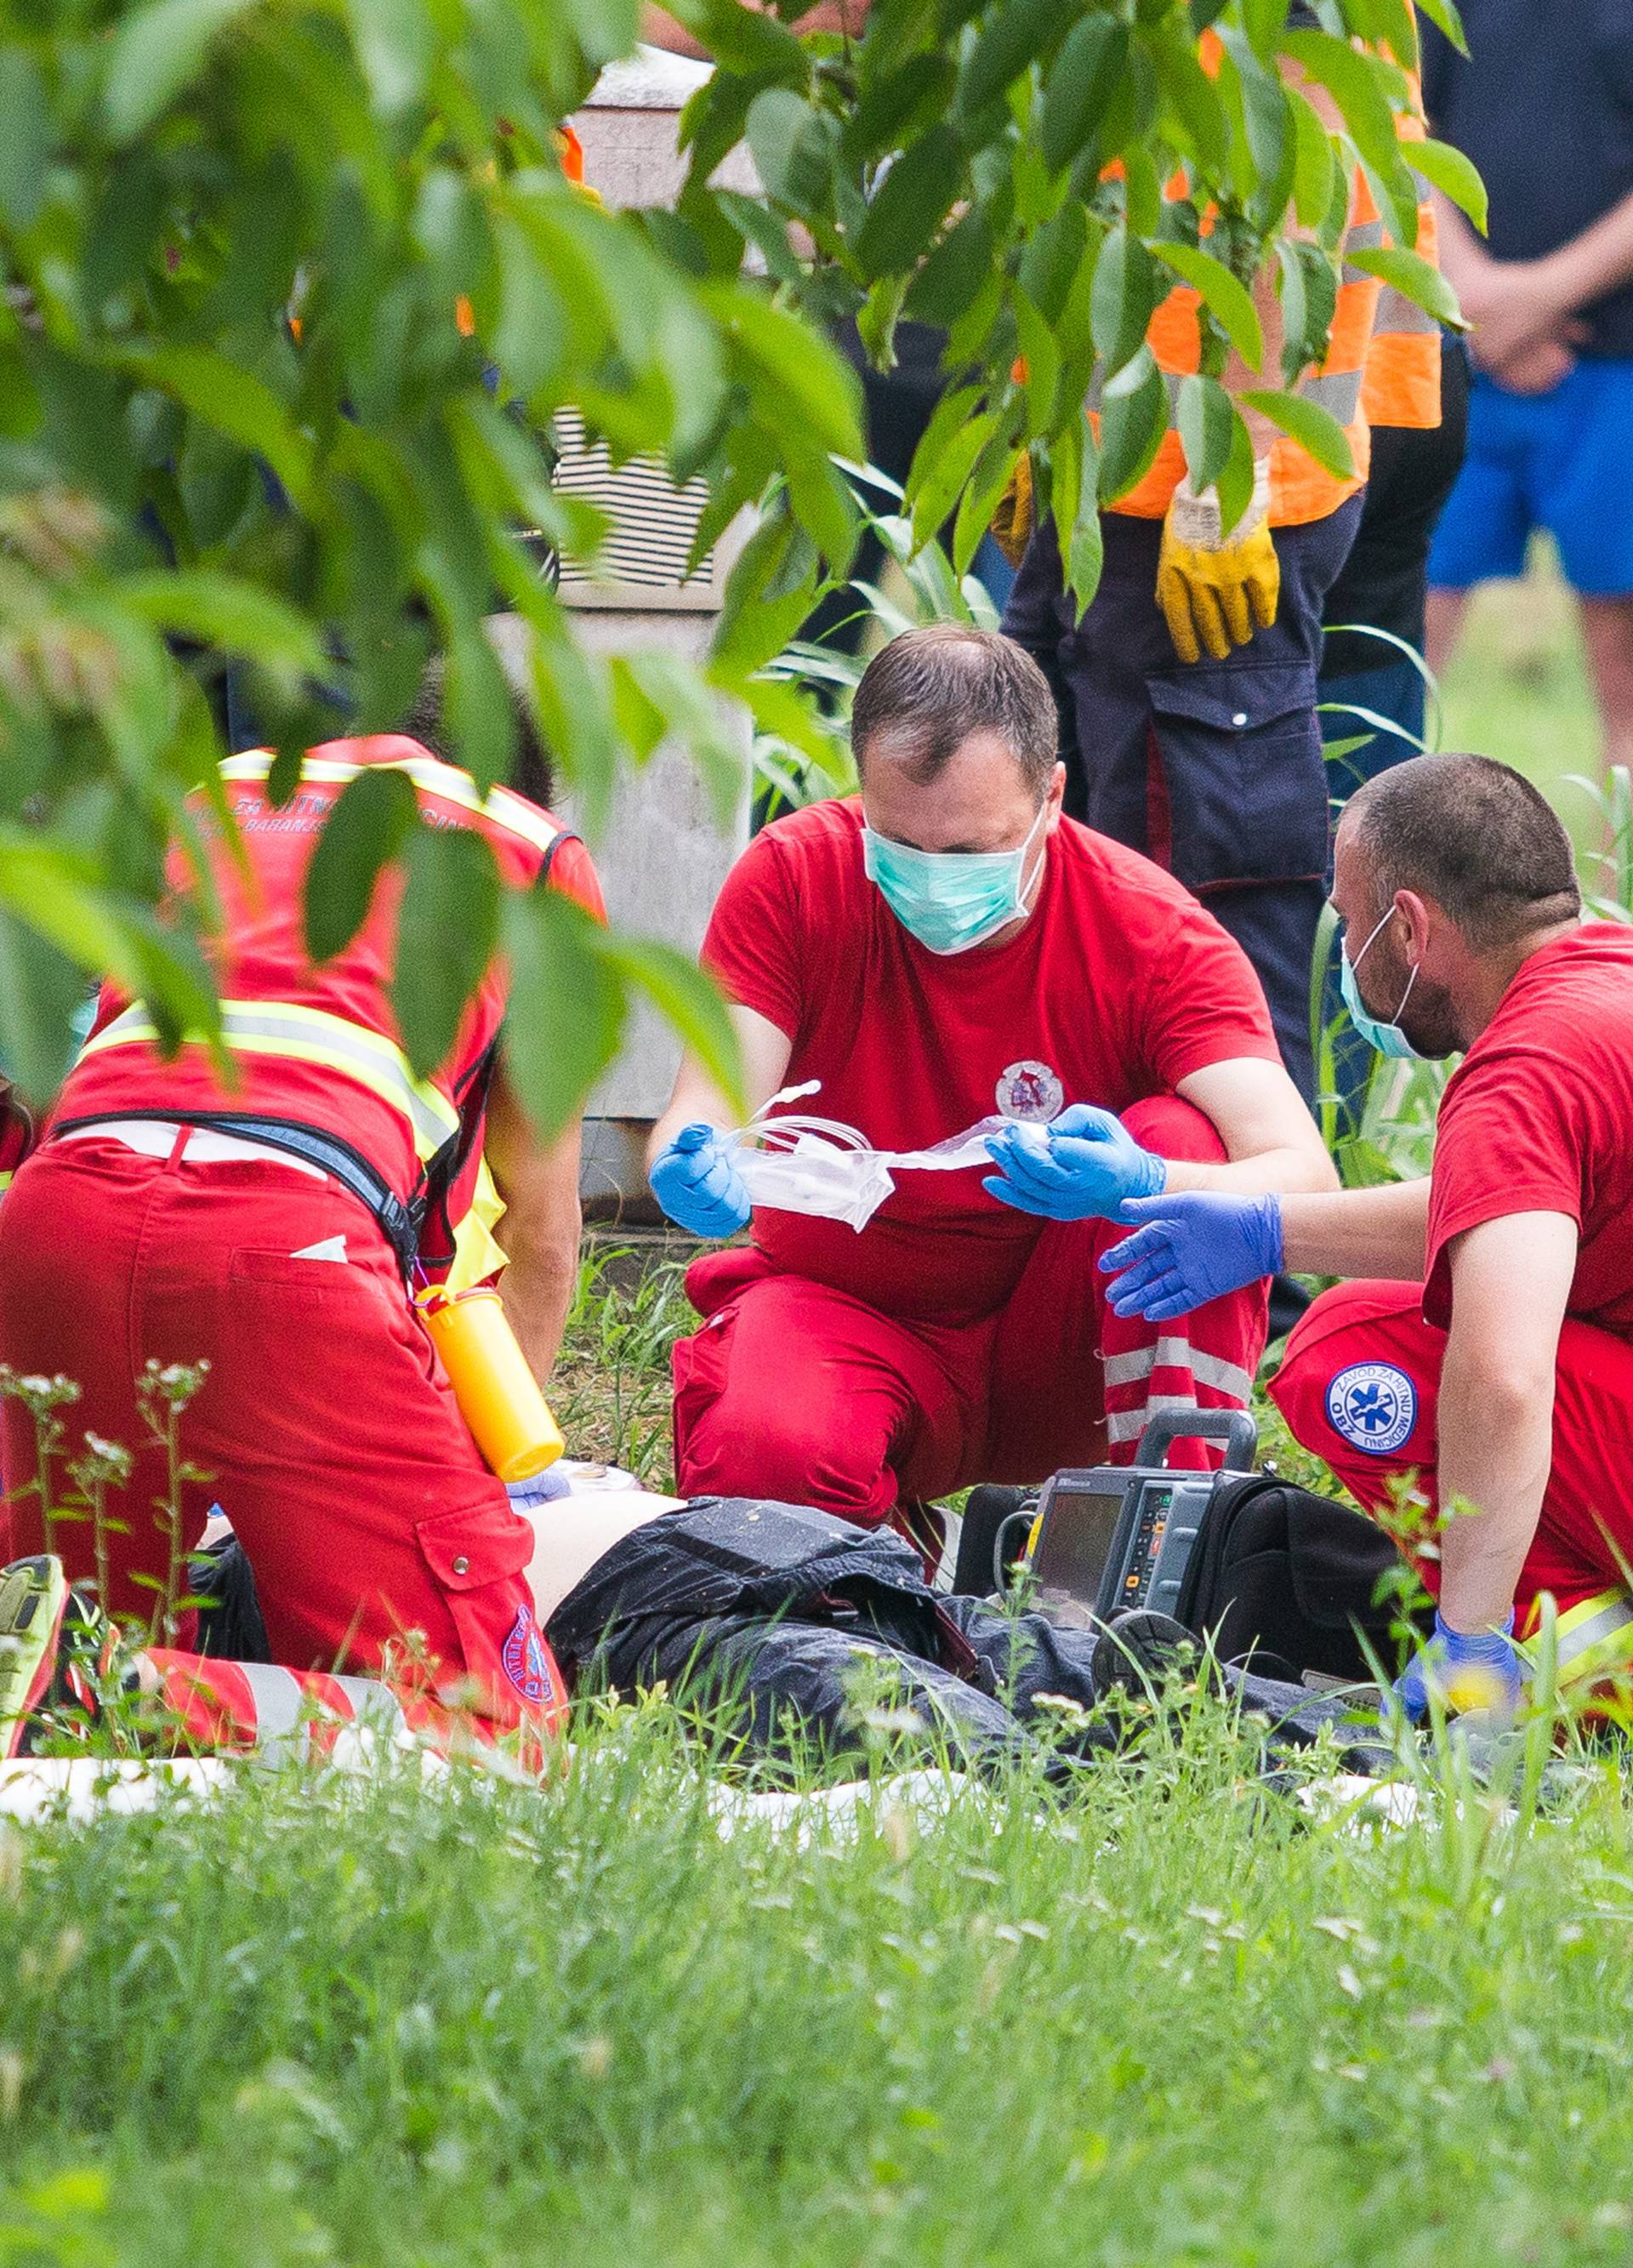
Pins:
x: 293, y: 293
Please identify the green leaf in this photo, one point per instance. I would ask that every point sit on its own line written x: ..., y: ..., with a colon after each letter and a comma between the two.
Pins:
x: 447, y: 932
x: 1235, y: 482
x: 364, y: 832
x: 1124, y: 297
x: 1081, y: 81
x: 1455, y: 175
x: 1317, y: 176
x: 892, y: 109
x: 1134, y: 417
x: 231, y: 400
x: 1444, y: 12
x: 396, y: 43
x: 1205, y: 419
x: 688, y: 1002
x: 1016, y: 32
x: 791, y: 145
x: 817, y: 384
x: 1226, y: 299
x: 909, y: 204
x: 40, y: 988
x: 980, y: 499
x: 155, y: 52
x: 1086, y: 544
x: 934, y: 492
x: 953, y: 273
x: 1193, y: 98
x: 1415, y: 279
x: 1309, y: 300
x: 565, y: 1014
x: 1316, y: 430
x: 25, y: 141
x: 1360, y: 85
x: 235, y: 617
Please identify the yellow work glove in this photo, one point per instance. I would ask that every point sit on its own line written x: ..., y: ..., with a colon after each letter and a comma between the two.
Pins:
x: 1213, y: 588
x: 1012, y: 521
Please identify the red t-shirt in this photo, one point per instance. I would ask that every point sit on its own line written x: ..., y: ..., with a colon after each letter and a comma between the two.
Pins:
x: 1119, y: 983
x: 1539, y: 1118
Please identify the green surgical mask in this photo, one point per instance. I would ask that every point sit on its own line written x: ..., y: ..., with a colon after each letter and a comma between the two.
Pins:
x: 950, y: 900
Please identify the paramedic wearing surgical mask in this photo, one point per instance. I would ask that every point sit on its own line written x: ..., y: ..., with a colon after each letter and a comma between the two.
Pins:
x: 1488, y: 1346
x: 945, y: 948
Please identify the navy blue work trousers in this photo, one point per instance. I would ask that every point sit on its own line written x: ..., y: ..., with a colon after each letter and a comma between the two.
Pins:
x: 1212, y: 768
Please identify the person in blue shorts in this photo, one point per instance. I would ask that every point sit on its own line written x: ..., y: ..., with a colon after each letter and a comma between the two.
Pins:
x: 1543, y: 104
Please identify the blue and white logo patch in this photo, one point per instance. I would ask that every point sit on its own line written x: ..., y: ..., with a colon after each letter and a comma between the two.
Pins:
x: 1373, y: 1405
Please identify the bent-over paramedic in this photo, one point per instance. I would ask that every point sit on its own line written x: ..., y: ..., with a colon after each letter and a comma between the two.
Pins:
x: 271, y: 1227
x: 943, y: 949
x: 1487, y: 1345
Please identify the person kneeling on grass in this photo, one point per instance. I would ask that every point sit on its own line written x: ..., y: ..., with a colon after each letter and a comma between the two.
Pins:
x: 780, y: 1621
x: 1487, y: 1347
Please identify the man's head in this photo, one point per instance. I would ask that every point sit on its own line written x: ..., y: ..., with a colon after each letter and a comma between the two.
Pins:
x: 1455, y: 868
x: 954, y: 734
x: 530, y: 772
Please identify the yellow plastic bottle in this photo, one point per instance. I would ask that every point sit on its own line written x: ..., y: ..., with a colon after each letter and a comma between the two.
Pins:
x: 498, y: 1394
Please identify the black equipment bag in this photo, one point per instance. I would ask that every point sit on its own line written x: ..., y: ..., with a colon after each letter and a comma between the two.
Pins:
x: 1287, y: 1581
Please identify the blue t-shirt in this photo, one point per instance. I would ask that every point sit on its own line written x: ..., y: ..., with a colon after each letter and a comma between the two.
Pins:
x: 1544, y: 106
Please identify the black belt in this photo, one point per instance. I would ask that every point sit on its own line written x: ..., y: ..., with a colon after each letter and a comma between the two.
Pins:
x: 399, y: 1222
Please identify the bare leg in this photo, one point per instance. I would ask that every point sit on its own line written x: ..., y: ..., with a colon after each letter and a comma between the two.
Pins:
x: 1608, y: 633
x: 1443, y: 618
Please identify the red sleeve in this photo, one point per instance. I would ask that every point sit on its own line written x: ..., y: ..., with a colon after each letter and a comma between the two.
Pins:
x: 753, y: 945
x: 572, y: 872
x: 1202, y: 1004
x: 1513, y: 1137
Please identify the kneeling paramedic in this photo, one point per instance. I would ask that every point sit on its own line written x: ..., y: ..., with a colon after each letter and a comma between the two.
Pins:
x: 1487, y: 1347
x: 271, y: 1227
x: 943, y: 947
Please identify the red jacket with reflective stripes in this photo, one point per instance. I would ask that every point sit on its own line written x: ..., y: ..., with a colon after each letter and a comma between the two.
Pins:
x: 317, y: 1042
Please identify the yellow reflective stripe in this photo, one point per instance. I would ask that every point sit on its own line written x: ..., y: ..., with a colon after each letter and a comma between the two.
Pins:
x: 273, y: 1028
x: 504, y: 807
x: 5, y: 1182
x: 1589, y: 1627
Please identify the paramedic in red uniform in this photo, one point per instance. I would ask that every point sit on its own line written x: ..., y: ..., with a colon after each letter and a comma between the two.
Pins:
x: 265, y: 1227
x: 1488, y: 1347
x: 941, y: 947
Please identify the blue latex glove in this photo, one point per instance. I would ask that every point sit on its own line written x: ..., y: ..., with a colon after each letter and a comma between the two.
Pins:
x: 1082, y: 1168
x: 698, y: 1186
x: 539, y: 1488
x: 1477, y: 1669
x: 1194, y: 1244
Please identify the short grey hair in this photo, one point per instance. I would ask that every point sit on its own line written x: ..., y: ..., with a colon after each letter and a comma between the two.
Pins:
x: 924, y: 694
x: 1476, y: 837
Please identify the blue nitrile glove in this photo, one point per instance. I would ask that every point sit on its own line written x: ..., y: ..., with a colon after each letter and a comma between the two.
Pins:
x: 1477, y: 1669
x: 539, y: 1488
x: 1081, y: 1167
x: 1194, y: 1245
x: 698, y: 1186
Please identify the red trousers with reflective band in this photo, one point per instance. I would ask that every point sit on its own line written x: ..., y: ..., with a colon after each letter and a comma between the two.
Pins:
x: 1358, y: 1388
x: 329, y: 1436
x: 794, y: 1391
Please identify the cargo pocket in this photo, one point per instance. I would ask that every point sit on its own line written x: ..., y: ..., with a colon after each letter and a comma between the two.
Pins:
x: 1241, y: 756
x: 477, y: 1557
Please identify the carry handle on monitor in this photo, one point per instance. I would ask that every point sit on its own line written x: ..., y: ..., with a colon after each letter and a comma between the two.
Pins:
x: 1235, y: 1427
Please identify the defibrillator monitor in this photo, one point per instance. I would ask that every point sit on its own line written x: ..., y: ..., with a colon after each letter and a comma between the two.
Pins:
x: 1116, y: 1537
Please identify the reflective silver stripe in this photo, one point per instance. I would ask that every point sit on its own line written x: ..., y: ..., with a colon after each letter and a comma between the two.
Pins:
x: 1173, y: 1353
x: 1339, y: 394
x: 429, y: 775
x: 312, y: 1036
x: 1129, y: 1424
x: 1578, y: 1638
x: 1398, y: 314
x: 1223, y: 1377
x: 280, y: 1704
x: 1366, y: 236
x: 373, y: 1704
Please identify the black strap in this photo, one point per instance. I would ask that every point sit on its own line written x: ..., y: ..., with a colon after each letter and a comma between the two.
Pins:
x: 327, y: 1152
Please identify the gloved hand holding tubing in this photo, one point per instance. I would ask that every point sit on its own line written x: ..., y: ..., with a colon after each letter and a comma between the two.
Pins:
x: 1192, y: 1245
x: 698, y: 1185
x: 1213, y: 586
x: 1081, y: 1167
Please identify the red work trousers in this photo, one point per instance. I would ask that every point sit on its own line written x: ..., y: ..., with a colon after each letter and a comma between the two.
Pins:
x: 1358, y: 1388
x: 330, y: 1437
x: 798, y: 1391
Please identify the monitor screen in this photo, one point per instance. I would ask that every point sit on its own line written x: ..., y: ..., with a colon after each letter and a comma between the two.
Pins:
x: 1077, y: 1540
